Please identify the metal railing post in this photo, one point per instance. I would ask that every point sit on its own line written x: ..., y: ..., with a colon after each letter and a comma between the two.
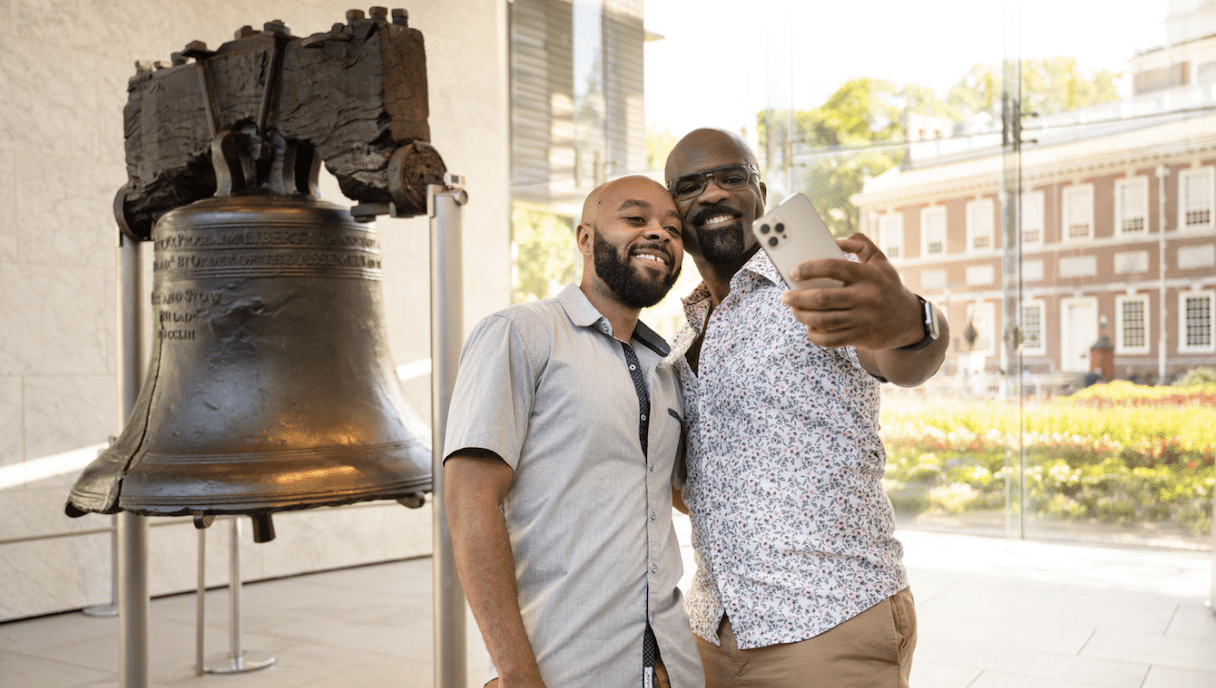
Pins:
x: 132, y: 529
x: 447, y: 307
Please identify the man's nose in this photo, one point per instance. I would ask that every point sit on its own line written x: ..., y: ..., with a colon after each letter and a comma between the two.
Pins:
x: 654, y: 231
x: 712, y: 193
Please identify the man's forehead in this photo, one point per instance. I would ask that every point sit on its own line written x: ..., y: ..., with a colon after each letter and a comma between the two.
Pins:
x: 622, y: 196
x: 705, y: 153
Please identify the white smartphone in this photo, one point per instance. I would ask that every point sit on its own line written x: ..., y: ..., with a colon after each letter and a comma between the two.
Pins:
x: 792, y: 234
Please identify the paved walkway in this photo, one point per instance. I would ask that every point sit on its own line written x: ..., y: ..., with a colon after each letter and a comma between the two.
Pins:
x: 992, y: 613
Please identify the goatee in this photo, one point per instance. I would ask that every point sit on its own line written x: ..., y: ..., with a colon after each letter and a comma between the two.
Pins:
x: 723, y: 245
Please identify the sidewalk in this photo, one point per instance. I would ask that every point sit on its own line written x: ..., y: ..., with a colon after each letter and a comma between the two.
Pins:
x: 992, y: 614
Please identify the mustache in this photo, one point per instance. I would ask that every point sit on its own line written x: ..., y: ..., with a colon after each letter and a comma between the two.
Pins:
x: 705, y: 213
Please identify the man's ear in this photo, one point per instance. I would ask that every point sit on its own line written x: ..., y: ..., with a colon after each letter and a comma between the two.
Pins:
x: 763, y: 195
x: 584, y: 236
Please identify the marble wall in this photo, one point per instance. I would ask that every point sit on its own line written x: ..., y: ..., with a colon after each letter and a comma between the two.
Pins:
x: 63, y: 73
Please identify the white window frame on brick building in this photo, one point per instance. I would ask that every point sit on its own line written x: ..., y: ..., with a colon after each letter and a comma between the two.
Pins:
x: 891, y: 235
x: 1032, y: 218
x: 1196, y: 322
x: 1133, y: 324
x: 1131, y: 206
x: 933, y: 231
x: 1196, y: 193
x: 1077, y: 213
x: 980, y: 226
x: 1034, y: 318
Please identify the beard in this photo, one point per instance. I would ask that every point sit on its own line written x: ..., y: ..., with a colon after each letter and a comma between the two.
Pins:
x: 625, y: 280
x: 725, y: 245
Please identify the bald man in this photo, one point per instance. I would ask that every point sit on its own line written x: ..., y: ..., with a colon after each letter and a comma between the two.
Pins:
x: 562, y: 437
x: 800, y: 581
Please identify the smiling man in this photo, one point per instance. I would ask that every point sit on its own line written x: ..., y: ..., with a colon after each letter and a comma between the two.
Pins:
x: 800, y: 581
x: 562, y: 436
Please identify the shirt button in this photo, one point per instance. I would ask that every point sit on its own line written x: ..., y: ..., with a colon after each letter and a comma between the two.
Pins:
x: 632, y: 367
x: 654, y: 568
x: 643, y: 416
x: 652, y: 468
x: 653, y: 516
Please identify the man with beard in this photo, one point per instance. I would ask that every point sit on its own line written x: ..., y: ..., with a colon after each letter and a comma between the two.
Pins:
x: 800, y: 580
x: 561, y: 443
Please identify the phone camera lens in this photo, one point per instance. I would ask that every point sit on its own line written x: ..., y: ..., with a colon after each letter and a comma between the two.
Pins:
x: 772, y: 241
x: 780, y: 228
x: 764, y: 229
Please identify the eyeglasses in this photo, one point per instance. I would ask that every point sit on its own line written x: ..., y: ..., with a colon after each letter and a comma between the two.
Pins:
x: 726, y: 177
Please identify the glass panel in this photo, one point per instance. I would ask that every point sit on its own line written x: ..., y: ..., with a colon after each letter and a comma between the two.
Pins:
x: 1050, y: 188
x: 1112, y: 452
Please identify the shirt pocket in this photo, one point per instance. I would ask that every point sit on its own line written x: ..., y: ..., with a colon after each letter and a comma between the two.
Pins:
x: 679, y: 472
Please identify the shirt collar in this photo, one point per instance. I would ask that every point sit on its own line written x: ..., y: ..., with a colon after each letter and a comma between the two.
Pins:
x: 758, y: 267
x: 583, y: 314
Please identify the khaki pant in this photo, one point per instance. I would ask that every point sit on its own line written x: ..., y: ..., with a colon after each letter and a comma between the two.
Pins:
x: 661, y: 679
x: 870, y: 650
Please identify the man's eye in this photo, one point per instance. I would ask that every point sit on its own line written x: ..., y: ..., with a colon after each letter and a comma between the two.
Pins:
x: 734, y: 177
x: 687, y: 185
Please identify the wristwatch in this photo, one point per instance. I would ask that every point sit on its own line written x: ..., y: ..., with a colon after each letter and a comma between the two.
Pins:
x: 929, y: 320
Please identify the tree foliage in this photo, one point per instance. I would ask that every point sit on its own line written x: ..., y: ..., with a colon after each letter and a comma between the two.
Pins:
x: 1049, y: 85
x: 544, y: 253
x: 860, y: 114
x: 835, y: 147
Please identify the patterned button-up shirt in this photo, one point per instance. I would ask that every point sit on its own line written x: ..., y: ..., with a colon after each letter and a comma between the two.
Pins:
x: 791, y: 527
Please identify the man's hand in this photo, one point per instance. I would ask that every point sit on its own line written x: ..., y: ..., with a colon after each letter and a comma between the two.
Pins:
x: 871, y: 310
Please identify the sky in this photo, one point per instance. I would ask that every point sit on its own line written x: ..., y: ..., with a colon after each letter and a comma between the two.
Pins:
x: 718, y: 66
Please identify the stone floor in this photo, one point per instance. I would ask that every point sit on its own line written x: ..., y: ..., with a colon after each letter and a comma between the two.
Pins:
x: 992, y: 614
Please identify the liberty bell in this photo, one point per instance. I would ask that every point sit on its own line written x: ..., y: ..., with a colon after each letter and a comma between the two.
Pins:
x: 270, y: 385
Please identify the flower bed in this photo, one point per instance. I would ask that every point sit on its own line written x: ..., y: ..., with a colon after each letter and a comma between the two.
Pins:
x: 1114, y: 454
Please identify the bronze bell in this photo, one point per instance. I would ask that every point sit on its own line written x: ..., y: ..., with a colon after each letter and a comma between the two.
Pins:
x: 270, y: 385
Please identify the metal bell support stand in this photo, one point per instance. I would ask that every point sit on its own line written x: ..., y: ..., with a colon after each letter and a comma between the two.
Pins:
x: 447, y: 308
x: 132, y: 551
x: 237, y: 661
x: 111, y: 609
x: 447, y: 304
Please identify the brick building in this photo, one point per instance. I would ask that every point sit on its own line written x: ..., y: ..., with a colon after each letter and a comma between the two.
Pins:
x: 1091, y: 260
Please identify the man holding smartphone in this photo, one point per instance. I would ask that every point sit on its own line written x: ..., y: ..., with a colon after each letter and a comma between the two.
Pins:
x: 562, y: 437
x: 800, y: 580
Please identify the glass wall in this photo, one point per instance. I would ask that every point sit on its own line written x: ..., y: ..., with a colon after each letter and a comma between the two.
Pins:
x: 1050, y: 187
x: 1045, y: 172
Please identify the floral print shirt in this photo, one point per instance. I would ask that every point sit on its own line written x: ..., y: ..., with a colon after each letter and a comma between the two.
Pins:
x: 791, y: 528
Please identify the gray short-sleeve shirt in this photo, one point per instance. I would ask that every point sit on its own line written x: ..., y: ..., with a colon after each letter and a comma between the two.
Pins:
x: 546, y: 387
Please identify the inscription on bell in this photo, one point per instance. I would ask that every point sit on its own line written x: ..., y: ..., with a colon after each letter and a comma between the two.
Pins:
x: 177, y: 317
x: 324, y: 239
x: 178, y: 335
x: 163, y: 298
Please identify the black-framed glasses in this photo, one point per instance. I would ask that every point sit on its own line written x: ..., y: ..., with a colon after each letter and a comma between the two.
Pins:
x: 726, y: 177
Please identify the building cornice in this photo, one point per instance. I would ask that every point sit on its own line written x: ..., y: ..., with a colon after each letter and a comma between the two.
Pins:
x: 1148, y: 146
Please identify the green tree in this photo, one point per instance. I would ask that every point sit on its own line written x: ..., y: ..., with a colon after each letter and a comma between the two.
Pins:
x: 858, y: 118
x: 658, y: 146
x: 858, y: 132
x: 544, y: 252
x: 1049, y: 85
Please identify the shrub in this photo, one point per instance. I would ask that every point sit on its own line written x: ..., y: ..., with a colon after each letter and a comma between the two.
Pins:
x: 1117, y: 453
x: 1197, y: 377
